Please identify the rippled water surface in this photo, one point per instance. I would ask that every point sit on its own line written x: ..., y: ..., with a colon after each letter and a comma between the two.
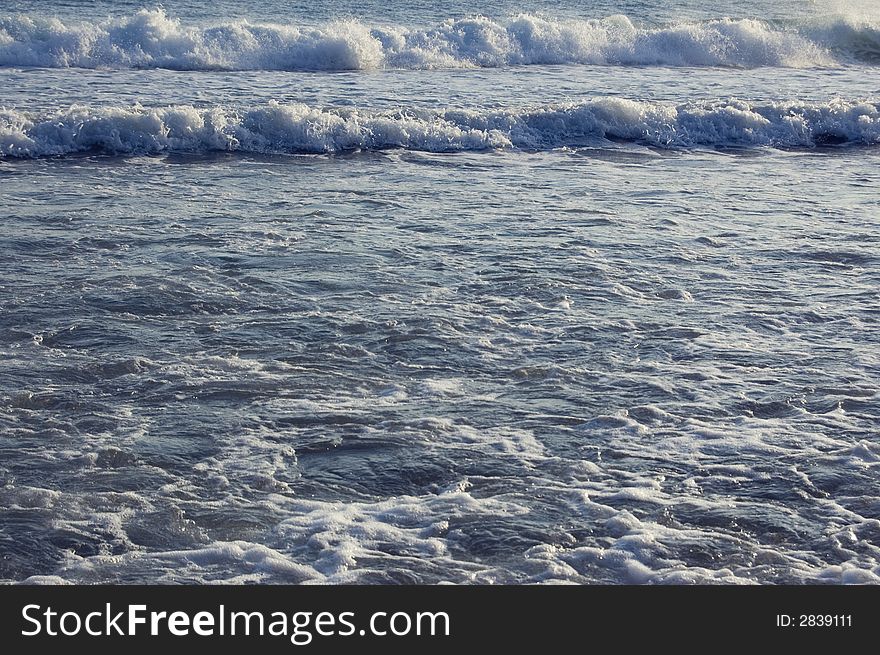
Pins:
x: 453, y: 308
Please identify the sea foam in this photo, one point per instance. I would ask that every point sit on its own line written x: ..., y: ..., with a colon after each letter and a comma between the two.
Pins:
x: 298, y: 128
x: 152, y: 39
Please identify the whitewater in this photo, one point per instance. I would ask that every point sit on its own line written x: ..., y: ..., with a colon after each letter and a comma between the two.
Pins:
x: 151, y: 39
x: 507, y: 292
x: 301, y: 129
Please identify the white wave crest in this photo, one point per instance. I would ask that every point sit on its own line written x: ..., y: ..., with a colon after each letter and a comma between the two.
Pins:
x: 152, y: 39
x: 297, y: 128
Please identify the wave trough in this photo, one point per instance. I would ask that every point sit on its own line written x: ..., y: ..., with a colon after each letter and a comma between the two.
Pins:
x: 297, y: 128
x: 152, y: 39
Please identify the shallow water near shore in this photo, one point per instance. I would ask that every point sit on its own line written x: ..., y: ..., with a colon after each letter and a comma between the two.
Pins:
x: 462, y: 313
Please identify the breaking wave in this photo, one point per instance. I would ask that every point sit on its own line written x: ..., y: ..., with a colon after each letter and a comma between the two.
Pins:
x: 152, y: 39
x: 297, y: 128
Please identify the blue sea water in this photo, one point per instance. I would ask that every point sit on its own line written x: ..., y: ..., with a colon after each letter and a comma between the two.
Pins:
x: 502, y: 292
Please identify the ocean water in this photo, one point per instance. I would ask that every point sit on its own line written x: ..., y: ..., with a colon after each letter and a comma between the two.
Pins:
x: 400, y: 292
